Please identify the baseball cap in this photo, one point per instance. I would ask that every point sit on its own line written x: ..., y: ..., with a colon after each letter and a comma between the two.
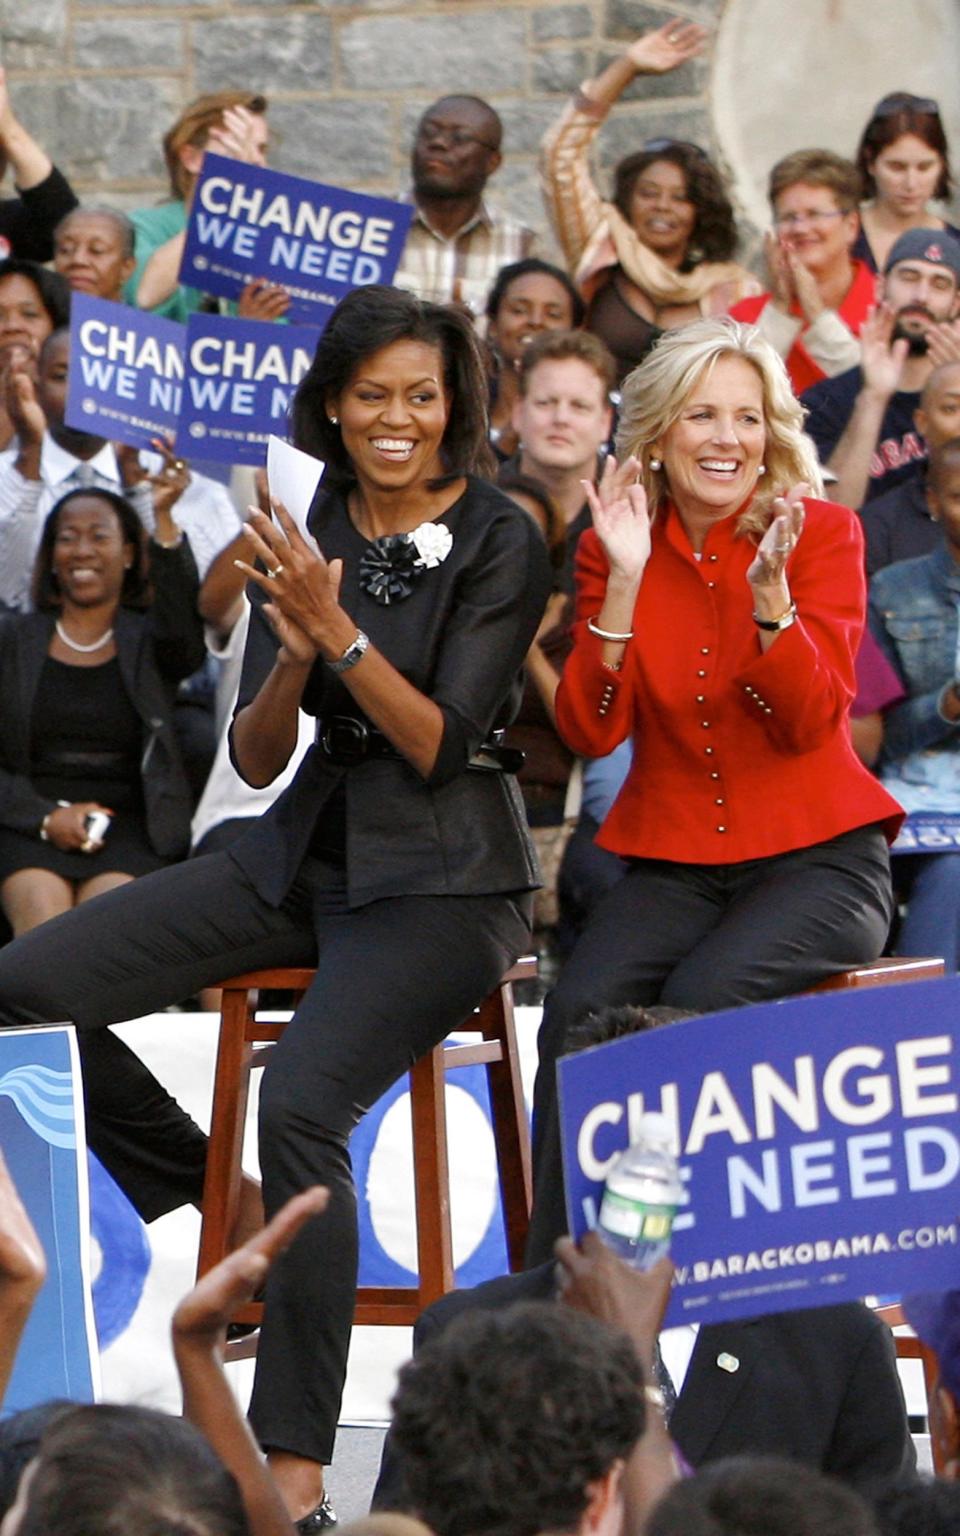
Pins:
x: 933, y: 245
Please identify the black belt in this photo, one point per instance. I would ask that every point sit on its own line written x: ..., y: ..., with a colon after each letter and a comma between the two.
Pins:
x: 344, y: 740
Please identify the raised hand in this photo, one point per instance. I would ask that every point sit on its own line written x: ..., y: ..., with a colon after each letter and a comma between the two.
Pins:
x: 805, y: 287
x: 23, y: 407
x: 618, y: 504
x: 769, y: 565
x: 235, y: 137
x: 204, y: 1312
x: 666, y: 48
x: 302, y: 586
x: 881, y: 357
x: 943, y: 343
x: 262, y: 300
x: 779, y: 273
x: 170, y: 480
x: 594, y: 1280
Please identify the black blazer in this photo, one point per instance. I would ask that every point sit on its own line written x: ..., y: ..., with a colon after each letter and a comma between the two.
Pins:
x: 155, y: 649
x: 819, y: 1386
x: 460, y: 637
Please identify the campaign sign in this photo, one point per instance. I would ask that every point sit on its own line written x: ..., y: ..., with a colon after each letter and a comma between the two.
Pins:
x: 126, y: 371
x: 319, y: 242
x: 929, y: 832
x: 42, y: 1135
x: 239, y: 383
x: 818, y: 1139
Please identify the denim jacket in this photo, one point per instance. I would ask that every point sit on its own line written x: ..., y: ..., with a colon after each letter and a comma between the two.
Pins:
x: 914, y: 616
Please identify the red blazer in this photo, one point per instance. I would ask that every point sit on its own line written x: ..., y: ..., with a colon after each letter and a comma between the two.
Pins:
x: 859, y: 299
x: 737, y: 753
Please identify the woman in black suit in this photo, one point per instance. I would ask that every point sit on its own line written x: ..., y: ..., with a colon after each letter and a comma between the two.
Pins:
x: 87, y: 681
x: 398, y: 860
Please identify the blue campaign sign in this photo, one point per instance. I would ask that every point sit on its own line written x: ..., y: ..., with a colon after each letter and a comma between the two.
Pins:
x: 42, y: 1134
x: 818, y: 1139
x: 319, y: 242
x: 929, y: 832
x: 126, y: 371
x: 239, y: 384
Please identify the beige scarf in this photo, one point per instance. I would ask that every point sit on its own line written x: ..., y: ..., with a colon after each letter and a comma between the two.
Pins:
x: 662, y: 284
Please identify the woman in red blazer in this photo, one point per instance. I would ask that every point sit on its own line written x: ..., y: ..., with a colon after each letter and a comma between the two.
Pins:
x: 719, y: 609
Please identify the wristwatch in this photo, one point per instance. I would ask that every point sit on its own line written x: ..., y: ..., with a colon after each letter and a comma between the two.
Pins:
x: 354, y: 651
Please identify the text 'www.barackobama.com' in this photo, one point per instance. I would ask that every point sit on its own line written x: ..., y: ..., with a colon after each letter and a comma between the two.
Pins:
x: 821, y: 1251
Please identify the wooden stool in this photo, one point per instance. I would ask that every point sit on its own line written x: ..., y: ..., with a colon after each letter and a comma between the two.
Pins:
x: 245, y: 1042
x: 887, y: 972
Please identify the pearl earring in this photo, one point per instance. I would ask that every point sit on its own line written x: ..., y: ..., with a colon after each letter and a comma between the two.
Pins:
x: 334, y: 421
x: 656, y: 464
x: 762, y: 470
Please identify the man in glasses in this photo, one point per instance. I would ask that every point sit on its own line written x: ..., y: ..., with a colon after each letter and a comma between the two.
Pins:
x: 819, y: 296
x: 457, y: 242
x: 863, y: 421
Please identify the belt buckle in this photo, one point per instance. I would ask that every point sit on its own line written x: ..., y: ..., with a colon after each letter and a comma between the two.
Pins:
x: 345, y: 740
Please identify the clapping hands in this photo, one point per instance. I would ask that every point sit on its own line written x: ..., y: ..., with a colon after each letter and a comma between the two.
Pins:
x: 618, y: 504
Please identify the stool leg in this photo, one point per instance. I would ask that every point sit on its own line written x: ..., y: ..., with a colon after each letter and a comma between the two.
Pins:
x: 431, y: 1176
x: 511, y: 1129
x: 221, y: 1187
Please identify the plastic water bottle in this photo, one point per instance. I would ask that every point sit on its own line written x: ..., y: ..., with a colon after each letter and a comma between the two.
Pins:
x: 642, y: 1193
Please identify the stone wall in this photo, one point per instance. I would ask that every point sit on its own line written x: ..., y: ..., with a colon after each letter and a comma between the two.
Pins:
x: 99, y: 80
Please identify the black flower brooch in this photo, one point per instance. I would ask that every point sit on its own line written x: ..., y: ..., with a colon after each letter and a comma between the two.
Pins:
x: 392, y: 565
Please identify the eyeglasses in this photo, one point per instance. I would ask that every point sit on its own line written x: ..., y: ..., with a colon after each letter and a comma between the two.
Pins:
x: 459, y: 138
x: 814, y: 216
x: 902, y: 101
x: 655, y: 145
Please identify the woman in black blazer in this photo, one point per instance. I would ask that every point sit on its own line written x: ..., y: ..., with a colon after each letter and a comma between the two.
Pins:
x: 87, y: 682
x: 398, y: 860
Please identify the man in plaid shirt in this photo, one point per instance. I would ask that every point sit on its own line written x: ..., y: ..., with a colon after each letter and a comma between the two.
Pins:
x: 457, y: 243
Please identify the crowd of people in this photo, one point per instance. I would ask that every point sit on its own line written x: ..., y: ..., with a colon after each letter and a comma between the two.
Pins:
x: 578, y: 641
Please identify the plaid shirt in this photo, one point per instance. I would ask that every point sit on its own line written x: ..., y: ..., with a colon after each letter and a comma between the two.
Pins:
x: 463, y: 268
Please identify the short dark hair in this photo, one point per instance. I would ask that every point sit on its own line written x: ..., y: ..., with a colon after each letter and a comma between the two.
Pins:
x: 365, y: 322
x: 109, y: 1470
x: 760, y: 1496
x: 53, y: 290
x: 505, y: 1420
x: 496, y: 121
x: 517, y: 269
x: 559, y: 346
x: 892, y: 117
x: 714, y: 233
x: 601, y: 1025
x: 918, y: 1506
x: 817, y: 168
x: 116, y: 216
x: 135, y: 592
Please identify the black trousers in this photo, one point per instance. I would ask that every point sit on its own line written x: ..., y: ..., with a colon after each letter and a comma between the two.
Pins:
x: 706, y: 937
x: 392, y: 979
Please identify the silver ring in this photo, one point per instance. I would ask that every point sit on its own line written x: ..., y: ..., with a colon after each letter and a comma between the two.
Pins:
x: 782, y: 549
x: 277, y: 571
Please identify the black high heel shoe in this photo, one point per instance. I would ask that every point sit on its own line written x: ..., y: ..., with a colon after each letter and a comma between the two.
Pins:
x: 323, y: 1518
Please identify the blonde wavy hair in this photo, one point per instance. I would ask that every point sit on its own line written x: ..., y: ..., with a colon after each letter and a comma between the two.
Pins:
x: 654, y: 394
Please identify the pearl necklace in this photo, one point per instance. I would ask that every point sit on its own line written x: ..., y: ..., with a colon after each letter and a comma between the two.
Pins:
x: 84, y: 650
